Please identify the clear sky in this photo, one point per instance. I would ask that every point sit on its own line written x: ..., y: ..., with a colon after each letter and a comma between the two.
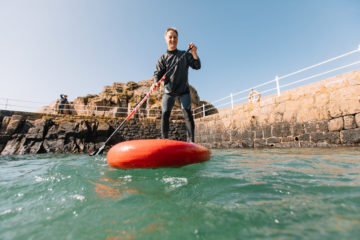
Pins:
x: 77, y: 47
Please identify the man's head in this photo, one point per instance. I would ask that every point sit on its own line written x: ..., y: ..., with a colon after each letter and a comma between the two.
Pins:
x: 171, y: 38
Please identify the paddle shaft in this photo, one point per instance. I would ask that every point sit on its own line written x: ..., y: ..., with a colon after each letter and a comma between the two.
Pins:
x: 122, y: 124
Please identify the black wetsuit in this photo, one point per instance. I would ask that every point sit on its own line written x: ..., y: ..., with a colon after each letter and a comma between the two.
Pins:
x: 63, y: 102
x: 176, y: 87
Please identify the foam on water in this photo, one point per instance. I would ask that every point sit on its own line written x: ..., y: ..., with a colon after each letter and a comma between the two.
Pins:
x: 238, y: 194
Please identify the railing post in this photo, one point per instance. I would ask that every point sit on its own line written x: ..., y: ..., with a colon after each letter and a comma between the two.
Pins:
x: 277, y: 85
x: 203, y: 110
x: 232, y: 101
x: 6, y: 103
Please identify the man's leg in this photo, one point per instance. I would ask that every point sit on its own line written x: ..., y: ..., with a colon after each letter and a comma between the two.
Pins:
x: 185, y: 101
x: 167, y: 105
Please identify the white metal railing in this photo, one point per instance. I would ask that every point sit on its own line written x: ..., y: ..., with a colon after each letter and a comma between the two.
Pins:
x: 32, y: 106
x: 273, y: 86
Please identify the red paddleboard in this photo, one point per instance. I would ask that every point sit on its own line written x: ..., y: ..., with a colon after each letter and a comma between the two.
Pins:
x: 155, y: 153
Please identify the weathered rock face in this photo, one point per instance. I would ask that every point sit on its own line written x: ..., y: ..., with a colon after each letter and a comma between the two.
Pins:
x: 320, y: 114
x: 119, y: 99
x: 19, y: 135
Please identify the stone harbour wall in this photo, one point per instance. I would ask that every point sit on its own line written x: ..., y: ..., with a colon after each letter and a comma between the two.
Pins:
x: 320, y: 114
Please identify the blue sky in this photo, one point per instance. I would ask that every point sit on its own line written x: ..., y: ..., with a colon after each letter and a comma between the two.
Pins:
x: 79, y: 46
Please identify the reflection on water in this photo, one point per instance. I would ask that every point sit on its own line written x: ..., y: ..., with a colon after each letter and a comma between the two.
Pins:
x: 238, y: 194
x: 103, y: 191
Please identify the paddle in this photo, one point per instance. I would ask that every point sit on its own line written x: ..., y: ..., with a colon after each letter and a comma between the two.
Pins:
x: 122, y: 124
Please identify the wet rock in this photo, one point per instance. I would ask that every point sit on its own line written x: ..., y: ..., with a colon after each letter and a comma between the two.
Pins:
x: 38, y: 129
x: 54, y: 145
x: 351, y: 136
x: 28, y: 146
x: 10, y: 125
x: 11, y: 146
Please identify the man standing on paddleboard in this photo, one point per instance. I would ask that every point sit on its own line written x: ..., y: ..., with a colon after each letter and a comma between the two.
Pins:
x: 176, y: 82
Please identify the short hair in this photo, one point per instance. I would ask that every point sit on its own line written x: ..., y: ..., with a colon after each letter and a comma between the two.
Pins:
x: 171, y: 29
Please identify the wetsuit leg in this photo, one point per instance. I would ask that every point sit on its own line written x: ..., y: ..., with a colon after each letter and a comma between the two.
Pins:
x: 167, y: 105
x: 61, y: 107
x: 185, y: 101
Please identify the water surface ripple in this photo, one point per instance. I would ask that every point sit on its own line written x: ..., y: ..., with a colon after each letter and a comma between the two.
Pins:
x: 238, y: 194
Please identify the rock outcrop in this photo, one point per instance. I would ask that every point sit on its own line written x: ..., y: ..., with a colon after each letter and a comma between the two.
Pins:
x: 119, y: 99
x: 20, y: 134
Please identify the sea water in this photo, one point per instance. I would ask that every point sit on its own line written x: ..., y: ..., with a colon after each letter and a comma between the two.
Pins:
x: 238, y: 194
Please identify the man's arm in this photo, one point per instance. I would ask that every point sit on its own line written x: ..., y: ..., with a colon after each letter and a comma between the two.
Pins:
x: 193, y: 58
x: 159, y: 70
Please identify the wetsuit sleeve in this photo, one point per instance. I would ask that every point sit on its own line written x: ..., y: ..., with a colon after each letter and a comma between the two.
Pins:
x: 160, y: 70
x: 193, y: 63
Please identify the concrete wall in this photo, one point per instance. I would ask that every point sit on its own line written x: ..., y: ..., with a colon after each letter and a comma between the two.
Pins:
x: 320, y: 114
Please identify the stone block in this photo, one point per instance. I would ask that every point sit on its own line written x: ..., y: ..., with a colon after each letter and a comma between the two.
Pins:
x: 276, y: 117
x: 317, y: 137
x: 307, y: 144
x: 346, y: 100
x: 259, y: 133
x: 273, y: 140
x: 247, y: 143
x: 324, y: 145
x: 225, y: 136
x: 322, y: 99
x: 287, y: 139
x: 332, y: 137
x: 349, y: 122
x: 267, y: 131
x: 353, y: 78
x: 292, y: 106
x: 302, y: 92
x: 258, y: 143
x: 287, y: 145
x: 297, y: 129
x: 350, y: 136
x: 320, y: 126
x: 333, y: 84
x: 335, y: 109
x: 235, y: 145
x: 336, y: 124
x: 310, y: 114
x: 290, y: 116
x: 357, y: 120
x: 246, y: 135
x: 281, y: 130
x: 304, y: 137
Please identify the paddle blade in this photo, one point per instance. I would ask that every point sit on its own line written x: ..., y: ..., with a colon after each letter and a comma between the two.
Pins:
x: 100, y: 151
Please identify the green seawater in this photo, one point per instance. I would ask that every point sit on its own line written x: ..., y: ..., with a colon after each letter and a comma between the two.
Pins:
x: 238, y: 194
